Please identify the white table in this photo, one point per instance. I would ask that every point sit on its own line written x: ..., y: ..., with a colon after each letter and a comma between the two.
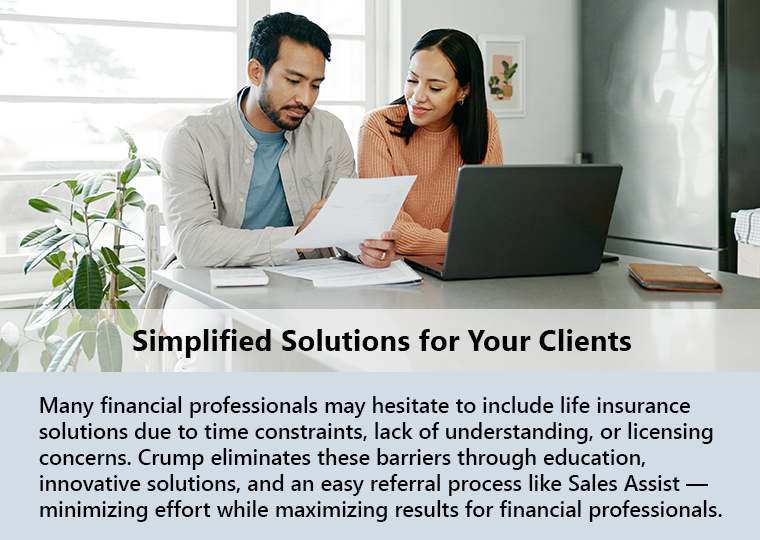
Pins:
x: 671, y: 331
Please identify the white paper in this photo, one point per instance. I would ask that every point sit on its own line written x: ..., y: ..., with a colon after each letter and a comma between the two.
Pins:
x: 359, y: 209
x: 337, y: 273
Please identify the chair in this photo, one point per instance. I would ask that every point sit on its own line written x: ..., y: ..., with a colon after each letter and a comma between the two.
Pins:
x: 154, y: 220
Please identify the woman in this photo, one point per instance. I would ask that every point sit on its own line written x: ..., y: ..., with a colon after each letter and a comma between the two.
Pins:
x: 440, y: 123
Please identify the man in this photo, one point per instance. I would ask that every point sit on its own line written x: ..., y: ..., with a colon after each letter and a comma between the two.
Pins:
x: 245, y: 175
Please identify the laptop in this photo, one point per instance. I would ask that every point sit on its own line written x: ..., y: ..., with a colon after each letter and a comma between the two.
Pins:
x: 526, y: 220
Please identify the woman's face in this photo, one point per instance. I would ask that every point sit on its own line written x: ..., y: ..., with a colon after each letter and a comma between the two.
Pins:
x: 432, y: 90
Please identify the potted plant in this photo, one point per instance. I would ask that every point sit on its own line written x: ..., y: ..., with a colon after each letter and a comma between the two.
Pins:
x: 90, y: 276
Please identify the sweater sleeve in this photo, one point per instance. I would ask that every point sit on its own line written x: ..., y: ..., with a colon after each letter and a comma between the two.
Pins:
x: 494, y: 153
x: 376, y: 160
x: 417, y: 240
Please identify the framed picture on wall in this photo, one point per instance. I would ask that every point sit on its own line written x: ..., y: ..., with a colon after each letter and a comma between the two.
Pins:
x: 504, y: 65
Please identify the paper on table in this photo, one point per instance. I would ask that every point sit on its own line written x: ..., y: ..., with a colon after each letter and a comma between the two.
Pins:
x: 358, y: 209
x: 337, y: 273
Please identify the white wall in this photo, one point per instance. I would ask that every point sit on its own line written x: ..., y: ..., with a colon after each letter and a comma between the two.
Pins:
x: 550, y: 131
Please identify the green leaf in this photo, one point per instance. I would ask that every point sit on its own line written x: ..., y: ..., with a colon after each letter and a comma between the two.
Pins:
x: 127, y: 137
x: 9, y: 360
x: 62, y: 277
x: 47, y: 331
x: 127, y: 320
x: 109, y: 346
x: 45, y: 249
x: 124, y: 284
x: 54, y: 298
x: 87, y: 324
x: 99, y: 196
x: 49, y: 314
x: 71, y: 184
x: 88, y: 344
x: 115, y: 222
x: 65, y: 226
x: 13, y: 367
x: 90, y: 184
x: 45, y: 359
x: 78, y: 216
x: 73, y: 325
x: 88, y: 286
x: 52, y: 344
x: 39, y: 235
x: 65, y: 201
x: 93, y: 213
x: 133, y: 198
x: 132, y: 260
x: 81, y: 240
x: 103, y: 277
x: 109, y: 257
x: 44, y: 206
x: 130, y: 171
x: 34, y: 314
x: 56, y: 259
x: 132, y: 275
x: 9, y: 347
x: 151, y: 162
x: 65, y: 353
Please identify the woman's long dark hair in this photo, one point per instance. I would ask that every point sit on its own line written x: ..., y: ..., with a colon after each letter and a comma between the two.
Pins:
x: 471, y: 118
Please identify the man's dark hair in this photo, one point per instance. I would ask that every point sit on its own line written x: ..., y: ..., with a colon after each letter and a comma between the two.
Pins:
x: 471, y: 118
x: 269, y: 31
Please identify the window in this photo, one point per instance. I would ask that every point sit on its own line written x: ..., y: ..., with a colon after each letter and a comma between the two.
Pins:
x: 346, y: 91
x: 72, y: 71
x: 75, y: 70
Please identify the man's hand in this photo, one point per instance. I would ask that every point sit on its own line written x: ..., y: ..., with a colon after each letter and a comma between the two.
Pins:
x: 311, y: 214
x: 380, y: 253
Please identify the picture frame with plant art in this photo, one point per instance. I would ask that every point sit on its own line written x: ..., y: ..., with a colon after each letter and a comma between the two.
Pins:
x: 504, y: 66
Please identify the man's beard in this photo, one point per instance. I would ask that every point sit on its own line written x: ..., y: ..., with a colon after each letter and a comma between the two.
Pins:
x: 283, y: 122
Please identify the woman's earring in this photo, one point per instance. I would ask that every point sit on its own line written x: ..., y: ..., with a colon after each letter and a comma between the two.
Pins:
x: 461, y: 101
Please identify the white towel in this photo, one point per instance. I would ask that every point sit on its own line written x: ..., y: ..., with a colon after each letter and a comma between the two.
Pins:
x: 747, y: 226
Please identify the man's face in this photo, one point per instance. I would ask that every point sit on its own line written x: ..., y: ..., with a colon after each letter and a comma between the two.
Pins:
x: 290, y: 88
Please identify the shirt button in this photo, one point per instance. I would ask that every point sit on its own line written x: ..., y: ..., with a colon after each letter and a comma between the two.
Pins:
x: 242, y: 199
x: 247, y: 161
x: 252, y: 143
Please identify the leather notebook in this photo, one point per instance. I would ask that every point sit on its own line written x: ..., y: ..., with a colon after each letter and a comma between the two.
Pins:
x: 670, y: 277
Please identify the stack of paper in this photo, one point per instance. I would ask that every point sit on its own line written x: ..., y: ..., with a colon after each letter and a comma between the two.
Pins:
x: 339, y: 273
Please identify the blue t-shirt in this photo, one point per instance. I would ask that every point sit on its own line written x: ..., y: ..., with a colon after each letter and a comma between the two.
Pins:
x: 266, y: 205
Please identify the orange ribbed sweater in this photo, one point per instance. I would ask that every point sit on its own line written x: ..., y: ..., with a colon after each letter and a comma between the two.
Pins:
x: 434, y: 157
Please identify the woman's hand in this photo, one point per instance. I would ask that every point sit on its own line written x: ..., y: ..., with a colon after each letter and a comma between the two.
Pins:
x: 379, y: 253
